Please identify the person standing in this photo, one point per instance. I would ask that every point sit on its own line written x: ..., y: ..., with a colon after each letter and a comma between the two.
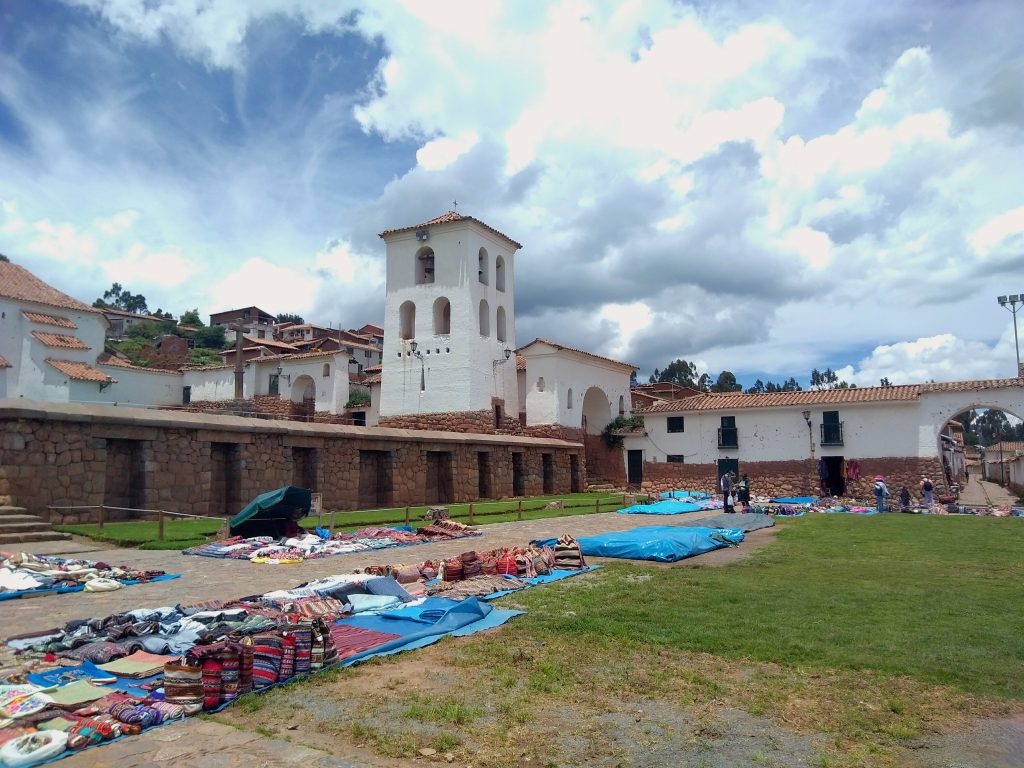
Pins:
x: 905, y: 499
x: 743, y: 493
x: 881, y: 492
x: 928, y: 491
x: 726, y: 486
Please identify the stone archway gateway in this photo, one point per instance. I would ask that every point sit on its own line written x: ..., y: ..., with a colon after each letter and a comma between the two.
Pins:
x: 596, y: 410
x: 304, y: 393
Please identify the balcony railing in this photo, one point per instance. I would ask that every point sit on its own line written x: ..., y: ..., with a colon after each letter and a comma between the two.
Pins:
x: 728, y: 437
x: 832, y: 434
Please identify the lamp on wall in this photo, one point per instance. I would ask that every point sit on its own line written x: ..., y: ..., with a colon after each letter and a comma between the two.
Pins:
x: 807, y: 417
x: 286, y: 376
x: 507, y: 352
x: 413, y: 346
x: 106, y: 383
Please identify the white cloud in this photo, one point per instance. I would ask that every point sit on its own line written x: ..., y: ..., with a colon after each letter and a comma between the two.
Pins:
x: 998, y: 230
x: 629, y: 320
x: 140, y: 266
x: 62, y: 242
x: 347, y: 267
x: 259, y: 282
x: 438, y: 154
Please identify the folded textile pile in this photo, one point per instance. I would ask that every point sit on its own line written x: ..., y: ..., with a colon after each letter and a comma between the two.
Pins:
x: 27, y: 573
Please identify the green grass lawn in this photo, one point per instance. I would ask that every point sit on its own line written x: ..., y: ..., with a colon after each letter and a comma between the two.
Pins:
x: 183, y: 533
x: 940, y: 599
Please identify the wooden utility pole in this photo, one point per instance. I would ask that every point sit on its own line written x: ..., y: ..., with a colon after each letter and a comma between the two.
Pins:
x: 239, y: 330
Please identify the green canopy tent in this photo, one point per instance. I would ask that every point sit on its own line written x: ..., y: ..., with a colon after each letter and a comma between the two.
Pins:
x: 267, y: 514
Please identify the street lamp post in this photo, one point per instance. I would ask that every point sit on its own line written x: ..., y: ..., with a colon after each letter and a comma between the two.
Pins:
x: 1012, y: 303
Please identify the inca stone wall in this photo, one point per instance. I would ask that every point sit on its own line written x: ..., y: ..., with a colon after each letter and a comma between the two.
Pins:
x: 211, y: 464
x: 479, y: 422
x: 795, y: 478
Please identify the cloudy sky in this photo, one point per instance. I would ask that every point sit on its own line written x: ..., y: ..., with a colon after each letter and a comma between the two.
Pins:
x: 764, y: 187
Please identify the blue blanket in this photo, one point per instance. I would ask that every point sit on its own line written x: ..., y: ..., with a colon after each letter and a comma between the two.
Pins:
x: 662, y: 543
x: 803, y: 500
x: 692, y: 495
x: 427, y: 623
x: 667, y: 507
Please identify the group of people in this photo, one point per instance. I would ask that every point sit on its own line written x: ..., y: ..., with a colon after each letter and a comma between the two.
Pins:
x: 735, y: 492
x: 882, y: 493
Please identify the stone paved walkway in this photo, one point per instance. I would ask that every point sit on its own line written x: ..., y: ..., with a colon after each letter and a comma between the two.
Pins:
x: 982, y: 493
x: 207, y: 578
x: 203, y: 743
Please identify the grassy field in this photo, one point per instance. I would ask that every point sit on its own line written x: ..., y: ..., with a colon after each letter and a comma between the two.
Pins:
x: 183, y: 533
x: 867, y: 634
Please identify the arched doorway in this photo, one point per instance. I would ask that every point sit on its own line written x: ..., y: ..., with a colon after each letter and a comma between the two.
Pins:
x: 304, y: 395
x: 984, y: 445
x: 597, y: 411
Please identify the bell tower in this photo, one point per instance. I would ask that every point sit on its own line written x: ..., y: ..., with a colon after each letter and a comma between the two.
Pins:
x: 449, y: 327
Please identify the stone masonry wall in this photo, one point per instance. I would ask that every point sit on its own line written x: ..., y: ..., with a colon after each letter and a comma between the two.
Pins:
x: 478, y: 422
x: 603, y: 464
x: 795, y: 478
x: 62, y: 461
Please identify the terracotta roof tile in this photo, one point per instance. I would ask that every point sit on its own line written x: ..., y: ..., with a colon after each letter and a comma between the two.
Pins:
x: 18, y: 283
x: 4, y: 363
x: 717, y: 401
x: 268, y: 343
x: 60, y: 340
x: 447, y: 218
x: 578, y: 351
x: 39, y: 317
x: 370, y: 380
x: 79, y: 371
x: 520, y: 363
x: 1006, y: 446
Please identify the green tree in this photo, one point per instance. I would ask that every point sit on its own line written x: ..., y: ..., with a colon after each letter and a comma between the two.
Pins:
x: 4, y: 258
x: 126, y: 301
x: 790, y: 385
x: 885, y: 382
x: 289, y: 317
x: 191, y: 317
x: 684, y: 374
x: 726, y: 383
x: 211, y: 338
x: 992, y: 427
x: 828, y: 379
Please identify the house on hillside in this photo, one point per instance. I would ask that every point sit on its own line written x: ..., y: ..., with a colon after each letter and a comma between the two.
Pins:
x: 119, y: 323
x: 258, y: 324
x: 830, y: 441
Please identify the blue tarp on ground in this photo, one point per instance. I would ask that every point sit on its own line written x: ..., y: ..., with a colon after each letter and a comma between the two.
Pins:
x: 450, y: 617
x: 667, y: 507
x: 803, y: 500
x: 694, y: 495
x: 79, y: 588
x: 663, y: 543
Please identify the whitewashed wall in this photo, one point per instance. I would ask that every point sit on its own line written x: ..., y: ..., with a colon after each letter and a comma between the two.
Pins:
x: 331, y: 391
x: 870, y: 430
x: 134, y: 387
x: 215, y: 383
x: 30, y: 376
x: 457, y: 368
x: 562, y: 370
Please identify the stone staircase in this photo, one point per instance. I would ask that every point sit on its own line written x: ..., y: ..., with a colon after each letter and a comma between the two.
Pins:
x: 19, y: 527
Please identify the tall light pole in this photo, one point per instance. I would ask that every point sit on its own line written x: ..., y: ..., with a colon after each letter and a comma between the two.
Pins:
x: 1013, y: 303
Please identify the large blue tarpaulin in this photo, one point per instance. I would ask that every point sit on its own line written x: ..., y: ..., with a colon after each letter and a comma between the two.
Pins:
x: 662, y: 543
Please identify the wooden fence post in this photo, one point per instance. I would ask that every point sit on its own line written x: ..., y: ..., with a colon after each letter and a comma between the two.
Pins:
x: 160, y: 524
x: 406, y: 515
x: 471, y: 513
x: 332, y: 521
x: 519, y: 510
x: 103, y: 514
x: 597, y: 504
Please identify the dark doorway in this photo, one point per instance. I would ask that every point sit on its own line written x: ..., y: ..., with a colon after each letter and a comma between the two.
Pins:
x: 125, y: 481
x: 226, y: 479
x: 483, y: 474
x: 574, y: 474
x: 726, y: 465
x: 304, y: 468
x: 518, y: 475
x: 375, y: 479
x: 835, y: 483
x: 634, y: 467
x: 548, y: 467
x: 439, y: 481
